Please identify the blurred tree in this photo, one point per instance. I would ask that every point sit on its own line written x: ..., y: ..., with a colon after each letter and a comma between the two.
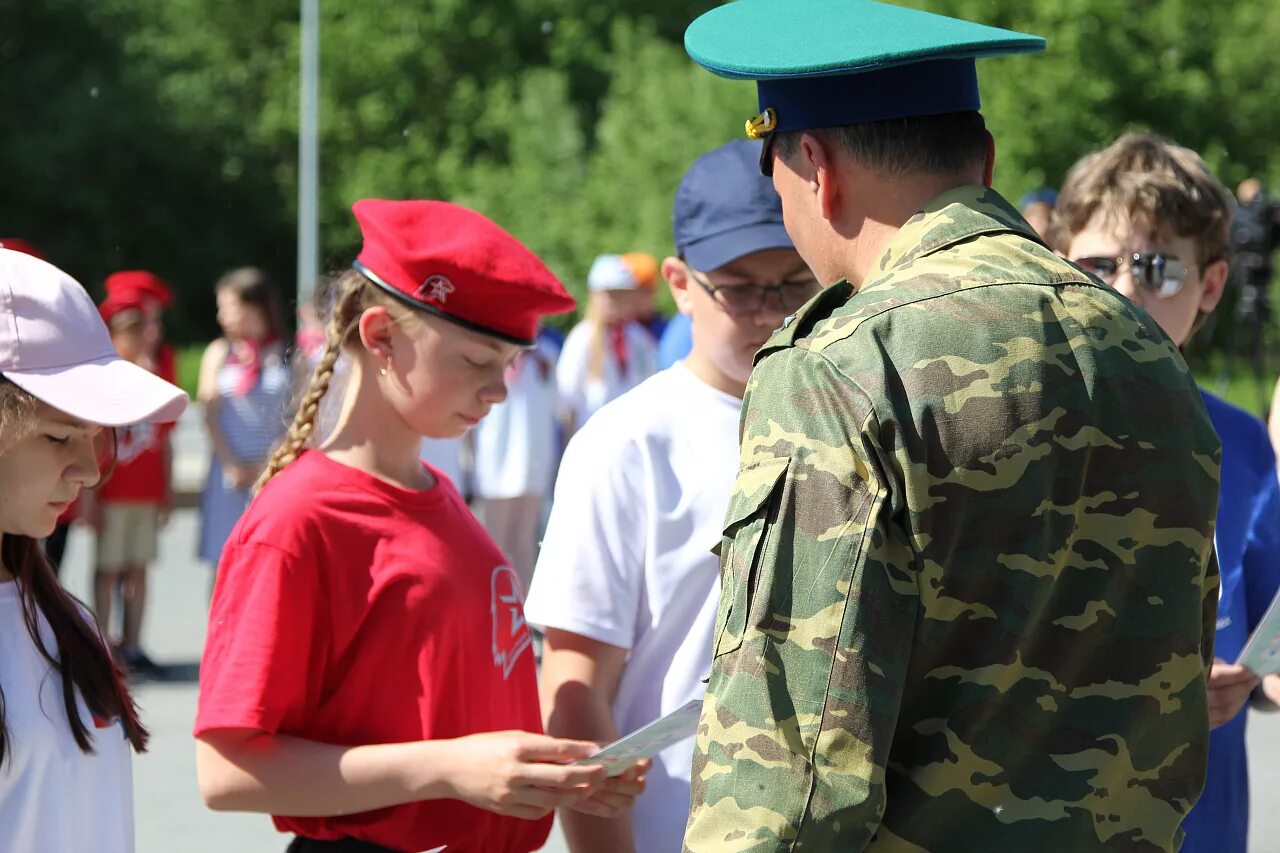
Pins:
x: 162, y: 133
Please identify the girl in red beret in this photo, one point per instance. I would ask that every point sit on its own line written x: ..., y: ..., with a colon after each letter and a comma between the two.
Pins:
x: 369, y: 678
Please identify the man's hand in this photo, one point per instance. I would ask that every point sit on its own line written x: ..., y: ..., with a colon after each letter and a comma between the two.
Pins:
x: 1229, y: 688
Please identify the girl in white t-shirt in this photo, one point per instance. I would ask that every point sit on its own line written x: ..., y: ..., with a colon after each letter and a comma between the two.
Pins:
x: 608, y: 353
x: 67, y: 721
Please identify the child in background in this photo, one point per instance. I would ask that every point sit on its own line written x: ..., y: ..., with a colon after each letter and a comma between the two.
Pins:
x: 1148, y: 218
x: 368, y: 677
x: 154, y: 296
x: 608, y: 353
x: 132, y: 504
x: 516, y: 450
x: 67, y: 721
x: 245, y: 388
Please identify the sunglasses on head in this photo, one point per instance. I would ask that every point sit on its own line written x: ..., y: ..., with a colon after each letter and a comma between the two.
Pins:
x: 1159, y: 274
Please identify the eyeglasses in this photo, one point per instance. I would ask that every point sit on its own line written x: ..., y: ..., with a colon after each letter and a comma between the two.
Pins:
x: 1160, y: 275
x: 742, y: 299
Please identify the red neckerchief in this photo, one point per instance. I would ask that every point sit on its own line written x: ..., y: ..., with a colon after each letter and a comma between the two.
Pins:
x: 618, y: 342
x: 251, y: 367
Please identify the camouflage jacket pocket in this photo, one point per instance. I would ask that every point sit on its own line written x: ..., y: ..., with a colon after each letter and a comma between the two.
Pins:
x: 756, y: 496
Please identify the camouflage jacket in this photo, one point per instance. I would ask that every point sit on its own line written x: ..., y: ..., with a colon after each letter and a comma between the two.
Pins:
x: 969, y: 590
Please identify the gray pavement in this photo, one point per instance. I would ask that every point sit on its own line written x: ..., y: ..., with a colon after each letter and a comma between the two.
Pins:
x: 170, y: 816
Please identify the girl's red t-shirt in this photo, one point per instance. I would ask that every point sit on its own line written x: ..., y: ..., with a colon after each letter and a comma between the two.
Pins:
x: 351, y: 611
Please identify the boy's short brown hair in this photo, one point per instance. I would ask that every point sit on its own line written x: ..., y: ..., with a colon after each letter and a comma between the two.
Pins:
x: 1142, y: 176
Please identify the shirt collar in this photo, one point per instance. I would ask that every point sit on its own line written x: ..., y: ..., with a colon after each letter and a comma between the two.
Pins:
x: 953, y: 217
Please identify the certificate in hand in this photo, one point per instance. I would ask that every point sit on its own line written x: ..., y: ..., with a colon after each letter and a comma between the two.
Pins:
x: 1262, y: 653
x: 648, y: 741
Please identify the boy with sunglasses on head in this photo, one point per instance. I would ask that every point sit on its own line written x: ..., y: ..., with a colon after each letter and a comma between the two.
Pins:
x: 626, y: 585
x: 1148, y: 218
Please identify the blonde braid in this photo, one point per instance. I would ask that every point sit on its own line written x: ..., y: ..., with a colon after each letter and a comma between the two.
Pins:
x: 341, y: 325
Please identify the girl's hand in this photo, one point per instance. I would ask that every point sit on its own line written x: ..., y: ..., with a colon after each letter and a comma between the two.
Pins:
x: 242, y: 476
x: 519, y: 774
x: 615, y: 796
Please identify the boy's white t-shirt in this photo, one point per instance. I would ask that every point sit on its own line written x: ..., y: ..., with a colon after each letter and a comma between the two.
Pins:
x: 515, y: 445
x: 639, y: 504
x: 53, y: 797
x: 583, y: 396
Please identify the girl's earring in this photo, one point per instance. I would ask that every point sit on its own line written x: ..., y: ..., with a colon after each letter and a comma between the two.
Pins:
x: 382, y: 371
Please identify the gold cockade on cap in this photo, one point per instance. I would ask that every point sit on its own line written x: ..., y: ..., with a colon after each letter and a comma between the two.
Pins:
x: 763, y: 124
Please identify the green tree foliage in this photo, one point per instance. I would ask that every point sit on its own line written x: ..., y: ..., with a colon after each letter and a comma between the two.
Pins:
x: 162, y: 133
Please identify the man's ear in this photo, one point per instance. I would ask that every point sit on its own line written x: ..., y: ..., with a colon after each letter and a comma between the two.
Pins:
x: 678, y: 281
x: 821, y: 166
x: 989, y: 165
x: 1214, y: 280
x: 376, y: 326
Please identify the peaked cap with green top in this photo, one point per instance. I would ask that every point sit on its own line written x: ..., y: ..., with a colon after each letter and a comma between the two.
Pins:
x: 828, y: 63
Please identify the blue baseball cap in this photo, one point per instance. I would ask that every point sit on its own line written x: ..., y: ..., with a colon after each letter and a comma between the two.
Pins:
x: 726, y: 209
x: 1042, y: 195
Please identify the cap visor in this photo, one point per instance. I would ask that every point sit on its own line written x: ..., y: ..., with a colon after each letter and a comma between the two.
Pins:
x: 109, y: 391
x: 714, y: 252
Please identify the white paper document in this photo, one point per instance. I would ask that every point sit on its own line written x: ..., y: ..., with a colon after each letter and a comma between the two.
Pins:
x: 1262, y: 653
x: 648, y: 741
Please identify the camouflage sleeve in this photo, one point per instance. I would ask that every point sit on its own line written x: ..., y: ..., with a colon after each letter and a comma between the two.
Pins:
x: 815, y: 624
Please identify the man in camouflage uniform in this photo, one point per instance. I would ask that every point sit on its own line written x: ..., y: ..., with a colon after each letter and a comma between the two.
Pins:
x: 968, y: 586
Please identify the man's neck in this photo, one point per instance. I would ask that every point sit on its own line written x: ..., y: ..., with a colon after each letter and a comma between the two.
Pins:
x: 893, y: 201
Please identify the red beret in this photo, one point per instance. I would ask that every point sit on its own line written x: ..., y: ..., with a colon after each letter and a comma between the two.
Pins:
x: 137, y: 284
x: 117, y: 302
x: 17, y: 244
x: 456, y: 264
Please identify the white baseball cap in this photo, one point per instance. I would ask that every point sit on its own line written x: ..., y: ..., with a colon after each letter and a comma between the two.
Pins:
x: 54, y: 346
x: 632, y: 271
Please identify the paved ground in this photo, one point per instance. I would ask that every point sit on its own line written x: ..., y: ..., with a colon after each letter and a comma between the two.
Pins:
x: 170, y: 816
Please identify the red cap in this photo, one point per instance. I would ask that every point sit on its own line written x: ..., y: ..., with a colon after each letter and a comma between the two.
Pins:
x: 456, y: 264
x: 17, y: 244
x: 117, y: 302
x: 138, y: 284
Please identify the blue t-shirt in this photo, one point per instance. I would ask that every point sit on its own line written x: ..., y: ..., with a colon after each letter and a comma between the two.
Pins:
x: 1248, y: 539
x: 676, y: 341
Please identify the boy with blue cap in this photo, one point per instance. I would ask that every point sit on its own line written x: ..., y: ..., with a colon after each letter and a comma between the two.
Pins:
x: 968, y: 584
x: 625, y: 587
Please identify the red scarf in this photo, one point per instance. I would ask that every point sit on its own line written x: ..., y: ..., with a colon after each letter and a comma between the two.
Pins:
x: 618, y: 343
x: 250, y: 366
